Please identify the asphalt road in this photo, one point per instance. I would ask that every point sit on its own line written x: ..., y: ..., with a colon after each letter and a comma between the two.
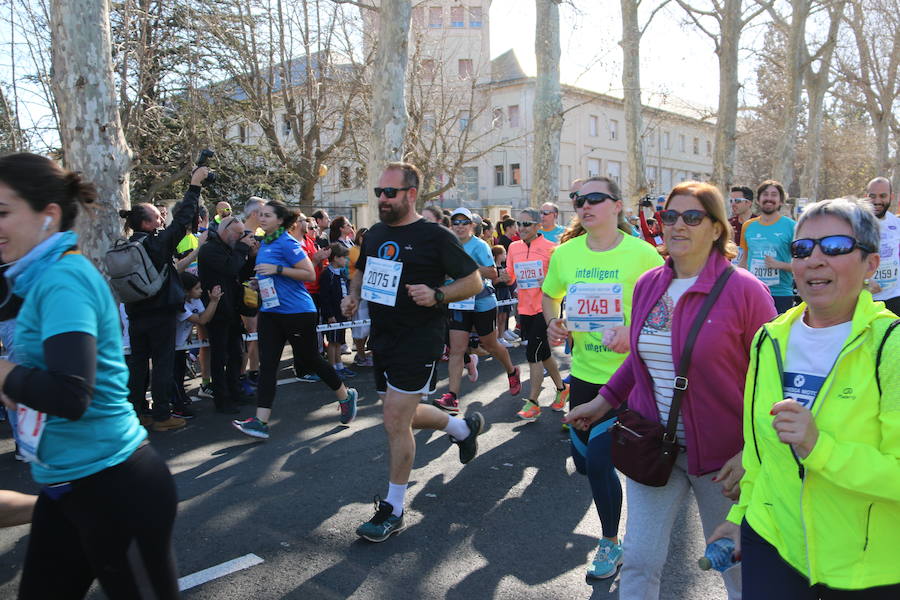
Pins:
x: 516, y: 522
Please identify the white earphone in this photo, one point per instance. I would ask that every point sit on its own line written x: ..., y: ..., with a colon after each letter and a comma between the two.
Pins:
x: 46, y: 224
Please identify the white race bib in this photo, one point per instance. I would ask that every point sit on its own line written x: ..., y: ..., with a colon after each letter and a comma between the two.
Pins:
x: 381, y: 281
x: 529, y: 274
x: 29, y: 429
x: 768, y: 275
x: 886, y: 275
x: 267, y: 292
x: 467, y: 304
x: 594, y: 306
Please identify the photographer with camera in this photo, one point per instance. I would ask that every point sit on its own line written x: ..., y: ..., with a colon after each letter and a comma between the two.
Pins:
x: 151, y: 321
x: 223, y: 261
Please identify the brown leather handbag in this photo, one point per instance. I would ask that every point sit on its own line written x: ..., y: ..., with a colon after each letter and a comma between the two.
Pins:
x: 642, y: 449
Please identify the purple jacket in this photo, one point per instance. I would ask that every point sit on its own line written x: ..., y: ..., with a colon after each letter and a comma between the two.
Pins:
x: 712, y: 407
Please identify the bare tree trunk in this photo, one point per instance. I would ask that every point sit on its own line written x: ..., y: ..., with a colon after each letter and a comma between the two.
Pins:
x: 817, y: 85
x: 85, y: 94
x: 548, y: 117
x: 727, y: 46
x: 631, y: 87
x: 389, y: 117
x: 795, y: 57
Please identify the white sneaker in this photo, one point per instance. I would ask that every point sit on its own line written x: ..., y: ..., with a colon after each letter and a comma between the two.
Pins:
x: 510, y: 336
x: 504, y: 343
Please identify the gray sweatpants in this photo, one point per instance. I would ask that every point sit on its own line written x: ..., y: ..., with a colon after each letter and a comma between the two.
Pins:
x: 651, y: 517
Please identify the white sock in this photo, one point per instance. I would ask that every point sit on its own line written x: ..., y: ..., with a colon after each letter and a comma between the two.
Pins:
x: 457, y: 428
x: 396, y: 496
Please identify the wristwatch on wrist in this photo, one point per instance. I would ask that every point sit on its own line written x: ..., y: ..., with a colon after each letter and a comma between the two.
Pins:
x: 438, y: 296
x: 279, y: 269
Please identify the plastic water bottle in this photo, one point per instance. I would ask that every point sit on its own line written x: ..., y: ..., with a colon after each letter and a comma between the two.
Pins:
x: 719, y: 555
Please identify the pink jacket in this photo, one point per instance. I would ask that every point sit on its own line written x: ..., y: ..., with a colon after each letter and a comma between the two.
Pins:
x: 712, y: 407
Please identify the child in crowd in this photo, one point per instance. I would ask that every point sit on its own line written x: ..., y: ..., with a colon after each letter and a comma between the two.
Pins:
x: 194, y: 313
x: 333, y: 286
x: 504, y: 292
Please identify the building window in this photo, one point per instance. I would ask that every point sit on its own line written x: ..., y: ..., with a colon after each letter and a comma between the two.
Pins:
x: 428, y: 122
x: 497, y: 118
x: 456, y: 17
x: 285, y: 125
x: 593, y: 122
x: 345, y: 177
x: 418, y: 17
x: 512, y: 114
x: 666, y: 142
x: 613, y: 129
x: 498, y: 175
x: 465, y: 68
x: 242, y: 133
x: 665, y: 180
x: 360, y: 177
x: 681, y: 144
x: 469, y: 184
x: 651, y: 139
x: 435, y: 17
x: 463, y: 120
x: 593, y: 167
x: 515, y: 174
x: 696, y: 146
x: 682, y: 176
x: 429, y: 69
x: 708, y: 148
x: 614, y: 170
x: 475, y: 17
x: 650, y: 172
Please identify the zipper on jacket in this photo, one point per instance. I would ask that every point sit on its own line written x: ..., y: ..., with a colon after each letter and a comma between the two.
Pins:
x: 868, y: 522
x: 780, y: 364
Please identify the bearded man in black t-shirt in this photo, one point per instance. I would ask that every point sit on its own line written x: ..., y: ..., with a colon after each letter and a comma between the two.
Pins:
x: 401, y: 270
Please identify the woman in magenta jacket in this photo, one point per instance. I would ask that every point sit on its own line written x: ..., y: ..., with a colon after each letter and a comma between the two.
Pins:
x: 666, y: 301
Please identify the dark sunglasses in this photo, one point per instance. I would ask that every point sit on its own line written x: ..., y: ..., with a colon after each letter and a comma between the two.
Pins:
x: 390, y: 192
x: 831, y: 245
x: 572, y: 195
x: 550, y: 212
x: 593, y: 198
x: 525, y: 223
x: 461, y: 222
x: 690, y: 217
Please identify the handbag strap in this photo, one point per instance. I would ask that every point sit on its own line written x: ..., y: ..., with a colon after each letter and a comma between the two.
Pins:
x: 681, y: 380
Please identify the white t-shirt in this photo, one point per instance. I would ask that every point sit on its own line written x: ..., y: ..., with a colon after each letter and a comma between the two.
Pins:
x: 811, y: 353
x: 655, y: 349
x: 183, y: 326
x: 889, y: 269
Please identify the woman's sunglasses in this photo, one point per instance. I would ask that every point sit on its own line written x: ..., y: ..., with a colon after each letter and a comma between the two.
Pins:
x: 831, y: 245
x: 691, y: 217
x: 593, y: 198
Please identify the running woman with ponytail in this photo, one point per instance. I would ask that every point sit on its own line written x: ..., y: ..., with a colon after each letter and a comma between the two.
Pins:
x: 107, y: 503
x: 287, y: 314
x: 595, y: 269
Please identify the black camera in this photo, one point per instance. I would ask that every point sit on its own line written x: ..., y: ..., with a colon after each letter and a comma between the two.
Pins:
x: 647, y: 201
x: 202, y: 161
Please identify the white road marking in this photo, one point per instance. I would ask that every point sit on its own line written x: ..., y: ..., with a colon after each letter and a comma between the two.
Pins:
x: 226, y: 568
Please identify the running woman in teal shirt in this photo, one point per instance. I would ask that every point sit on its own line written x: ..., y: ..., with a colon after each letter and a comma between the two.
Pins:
x: 766, y: 245
x: 108, y: 501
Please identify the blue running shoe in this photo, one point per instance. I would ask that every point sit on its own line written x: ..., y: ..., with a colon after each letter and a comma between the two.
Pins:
x: 383, y: 525
x: 310, y: 378
x: 346, y: 373
x: 252, y: 427
x: 606, y: 561
x: 348, y: 407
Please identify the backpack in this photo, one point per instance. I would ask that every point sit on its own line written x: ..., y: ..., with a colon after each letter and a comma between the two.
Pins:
x: 132, y: 275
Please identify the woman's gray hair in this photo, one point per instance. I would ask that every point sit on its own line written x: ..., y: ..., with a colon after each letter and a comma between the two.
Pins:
x: 855, y: 211
x: 534, y: 213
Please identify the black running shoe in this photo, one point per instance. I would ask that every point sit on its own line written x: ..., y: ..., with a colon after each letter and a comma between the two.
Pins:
x: 383, y: 525
x: 468, y: 447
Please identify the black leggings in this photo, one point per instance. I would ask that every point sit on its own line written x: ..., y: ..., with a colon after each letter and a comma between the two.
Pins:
x: 766, y: 576
x: 114, y: 526
x: 274, y: 329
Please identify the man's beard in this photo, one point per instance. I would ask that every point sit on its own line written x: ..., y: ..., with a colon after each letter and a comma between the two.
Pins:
x: 768, y: 209
x: 390, y: 214
x: 880, y: 210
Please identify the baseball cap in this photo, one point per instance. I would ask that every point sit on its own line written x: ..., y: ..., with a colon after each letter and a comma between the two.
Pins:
x: 462, y: 211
